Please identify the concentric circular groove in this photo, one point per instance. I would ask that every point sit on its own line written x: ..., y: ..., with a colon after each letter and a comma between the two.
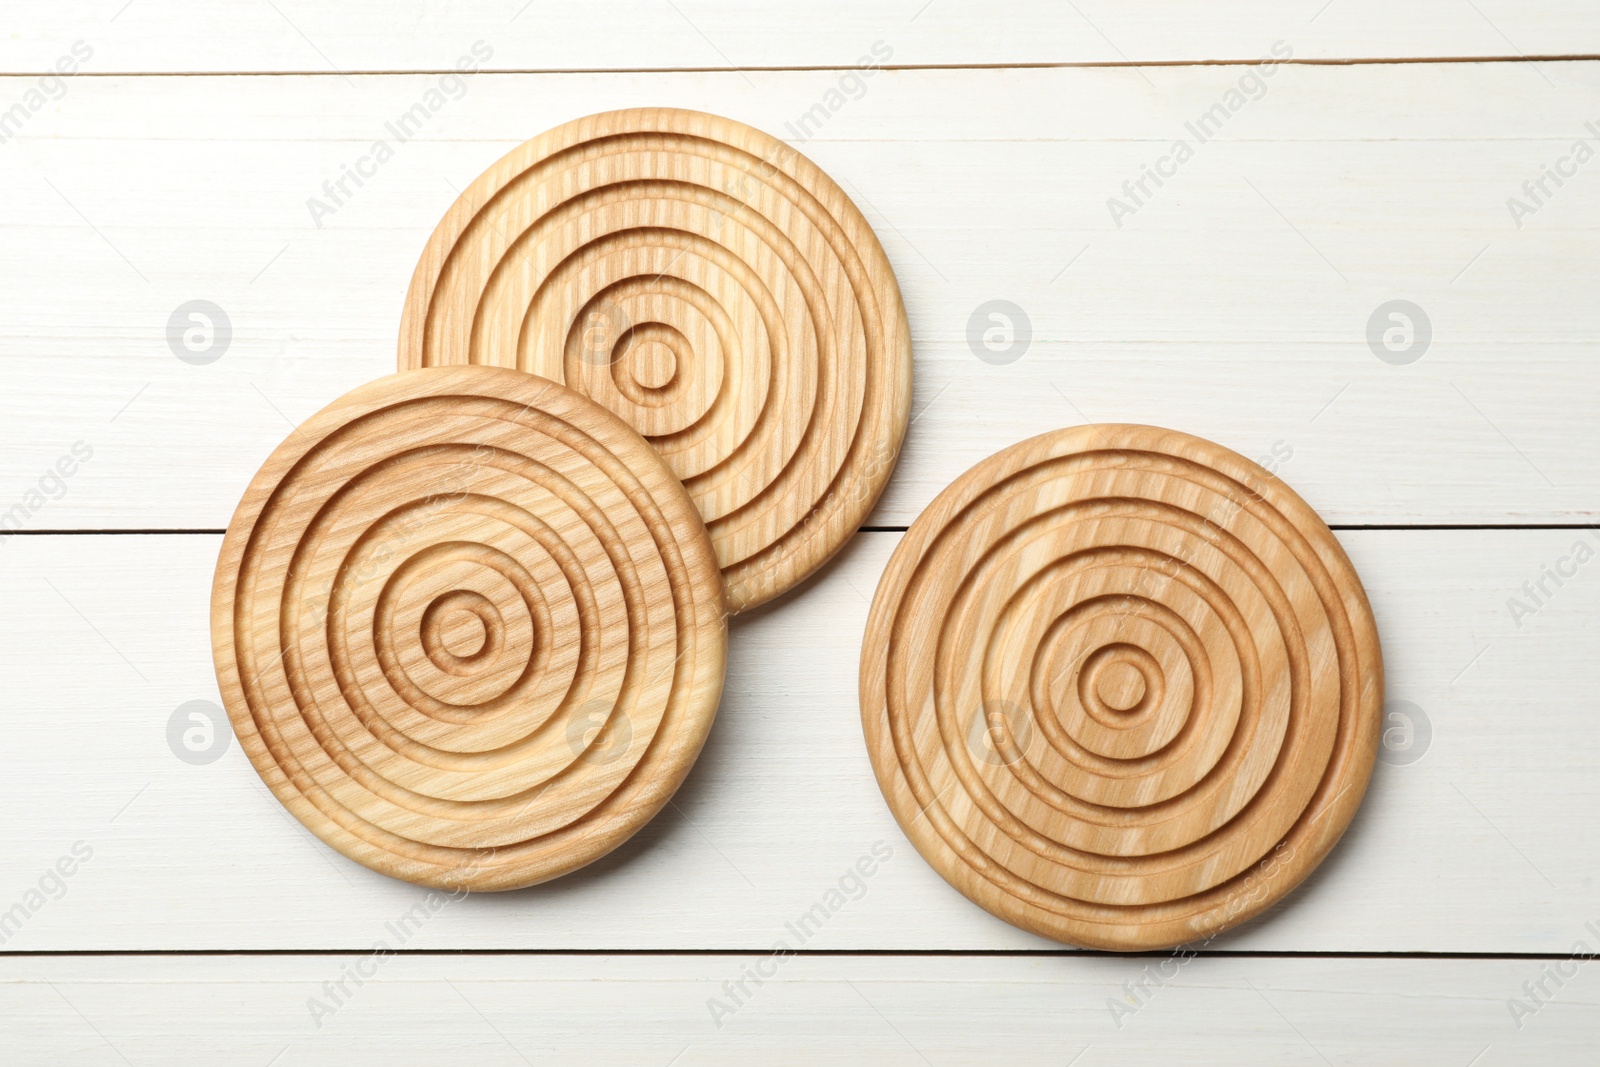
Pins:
x: 713, y: 288
x: 1121, y: 687
x: 469, y: 628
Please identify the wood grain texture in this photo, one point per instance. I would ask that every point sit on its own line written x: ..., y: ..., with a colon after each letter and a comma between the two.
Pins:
x: 468, y: 628
x: 369, y: 35
x: 782, y: 800
x: 981, y: 184
x: 1217, y: 308
x: 1121, y: 687
x: 499, y: 1011
x: 713, y: 288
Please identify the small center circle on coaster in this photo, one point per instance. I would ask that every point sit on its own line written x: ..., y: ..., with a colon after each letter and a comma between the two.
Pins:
x: 1121, y: 687
x: 469, y: 628
x: 714, y: 289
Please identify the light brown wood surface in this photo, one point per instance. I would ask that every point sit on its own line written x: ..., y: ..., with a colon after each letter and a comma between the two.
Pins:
x: 1121, y: 686
x: 468, y: 628
x: 711, y: 286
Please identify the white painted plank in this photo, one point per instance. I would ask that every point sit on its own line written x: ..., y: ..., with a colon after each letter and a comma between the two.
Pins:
x: 299, y: 35
x: 651, y: 1010
x: 1234, y: 303
x: 1488, y: 843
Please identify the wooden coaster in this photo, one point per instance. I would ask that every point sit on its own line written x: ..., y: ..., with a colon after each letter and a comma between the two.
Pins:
x: 468, y: 628
x: 1121, y: 687
x: 712, y: 287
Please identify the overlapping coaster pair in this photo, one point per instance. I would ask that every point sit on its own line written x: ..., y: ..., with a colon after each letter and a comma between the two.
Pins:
x: 469, y: 620
x: 1120, y: 686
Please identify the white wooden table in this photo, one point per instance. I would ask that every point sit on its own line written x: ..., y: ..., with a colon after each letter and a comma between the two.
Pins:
x: 199, y: 924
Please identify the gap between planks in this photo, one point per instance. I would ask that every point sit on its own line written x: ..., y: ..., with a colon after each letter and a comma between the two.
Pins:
x: 1368, y: 61
x: 1220, y: 954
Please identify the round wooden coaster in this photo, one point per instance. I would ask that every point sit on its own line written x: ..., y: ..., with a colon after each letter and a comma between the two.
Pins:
x: 468, y: 628
x: 1121, y: 687
x: 712, y: 287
